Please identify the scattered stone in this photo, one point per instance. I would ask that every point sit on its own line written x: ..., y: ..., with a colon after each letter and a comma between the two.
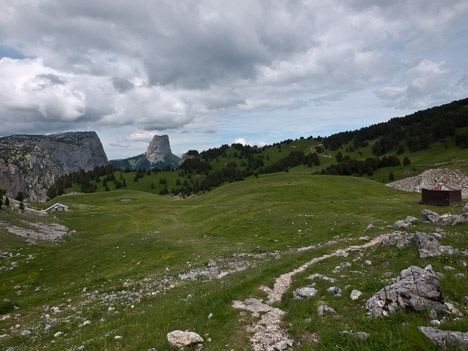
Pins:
x: 304, y: 293
x: 335, y: 290
x: 453, y: 310
x: 210, y: 316
x: 445, y: 337
x: 322, y: 308
x: 387, y: 274
x: 151, y: 349
x: 57, y: 334
x: 432, y: 314
x: 355, y: 294
x: 415, y: 288
x: 405, y: 223
x: 434, y: 217
x: 345, y: 264
x: 360, y: 335
x: 449, y: 268
x: 118, y: 337
x: 180, y: 339
x: 343, y: 254
x: 320, y: 276
x: 367, y: 262
x: 25, y: 332
x: 435, y: 322
x: 400, y: 239
x: 465, y: 300
x: 369, y: 227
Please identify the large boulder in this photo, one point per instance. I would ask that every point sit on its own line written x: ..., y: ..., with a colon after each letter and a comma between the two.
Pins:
x: 429, y: 246
x: 446, y: 338
x: 414, y: 289
x: 181, y: 339
x: 434, y: 217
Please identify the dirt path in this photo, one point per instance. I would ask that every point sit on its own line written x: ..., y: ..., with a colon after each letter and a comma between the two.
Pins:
x: 268, y: 332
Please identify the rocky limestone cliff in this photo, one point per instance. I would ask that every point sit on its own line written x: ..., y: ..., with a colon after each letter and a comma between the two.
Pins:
x: 188, y: 156
x: 448, y: 176
x: 158, y: 155
x: 31, y: 163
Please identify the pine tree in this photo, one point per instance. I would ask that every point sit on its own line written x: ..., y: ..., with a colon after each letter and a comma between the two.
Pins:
x: 339, y: 157
x: 19, y: 196
x: 406, y: 161
x: 7, y: 202
x: 390, y: 176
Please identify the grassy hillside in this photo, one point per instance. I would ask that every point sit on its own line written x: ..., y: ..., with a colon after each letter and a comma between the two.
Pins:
x: 126, y: 270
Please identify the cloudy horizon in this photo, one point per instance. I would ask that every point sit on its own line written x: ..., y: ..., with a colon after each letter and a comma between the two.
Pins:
x: 216, y: 72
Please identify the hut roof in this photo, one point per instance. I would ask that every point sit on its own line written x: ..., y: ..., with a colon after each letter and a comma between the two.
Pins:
x: 443, y: 187
x: 57, y: 204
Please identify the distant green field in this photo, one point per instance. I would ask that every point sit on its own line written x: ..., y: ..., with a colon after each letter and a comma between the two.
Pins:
x: 121, y: 270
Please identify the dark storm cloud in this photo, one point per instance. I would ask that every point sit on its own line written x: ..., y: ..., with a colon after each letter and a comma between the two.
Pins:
x: 121, y: 84
x: 187, y: 64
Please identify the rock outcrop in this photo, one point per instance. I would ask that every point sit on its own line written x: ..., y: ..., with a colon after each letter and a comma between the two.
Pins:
x: 31, y: 163
x: 452, y: 177
x: 446, y: 338
x: 414, y: 289
x: 158, y: 155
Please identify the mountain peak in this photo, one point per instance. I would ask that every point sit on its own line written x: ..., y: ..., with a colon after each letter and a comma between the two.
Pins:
x: 159, y: 145
x: 158, y: 154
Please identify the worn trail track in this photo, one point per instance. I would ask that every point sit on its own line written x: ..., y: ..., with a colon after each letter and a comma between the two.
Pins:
x: 269, y: 335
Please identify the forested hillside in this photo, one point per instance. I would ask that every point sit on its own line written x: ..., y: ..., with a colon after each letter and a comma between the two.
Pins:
x: 385, y: 152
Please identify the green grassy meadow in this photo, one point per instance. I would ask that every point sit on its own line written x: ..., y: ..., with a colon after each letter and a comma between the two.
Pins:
x: 123, y: 272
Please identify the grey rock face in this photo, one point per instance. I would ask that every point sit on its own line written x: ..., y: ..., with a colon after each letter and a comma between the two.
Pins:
x: 31, y: 163
x: 414, y: 289
x: 446, y: 337
x: 158, y: 145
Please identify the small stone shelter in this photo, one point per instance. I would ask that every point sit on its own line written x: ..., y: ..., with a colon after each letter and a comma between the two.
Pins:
x: 57, y: 207
x: 441, y: 195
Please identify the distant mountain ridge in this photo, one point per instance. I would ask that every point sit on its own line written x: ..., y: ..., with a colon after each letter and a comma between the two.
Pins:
x: 31, y: 163
x: 158, y: 155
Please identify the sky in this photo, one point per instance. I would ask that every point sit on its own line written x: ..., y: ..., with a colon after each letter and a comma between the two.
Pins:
x: 212, y: 72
